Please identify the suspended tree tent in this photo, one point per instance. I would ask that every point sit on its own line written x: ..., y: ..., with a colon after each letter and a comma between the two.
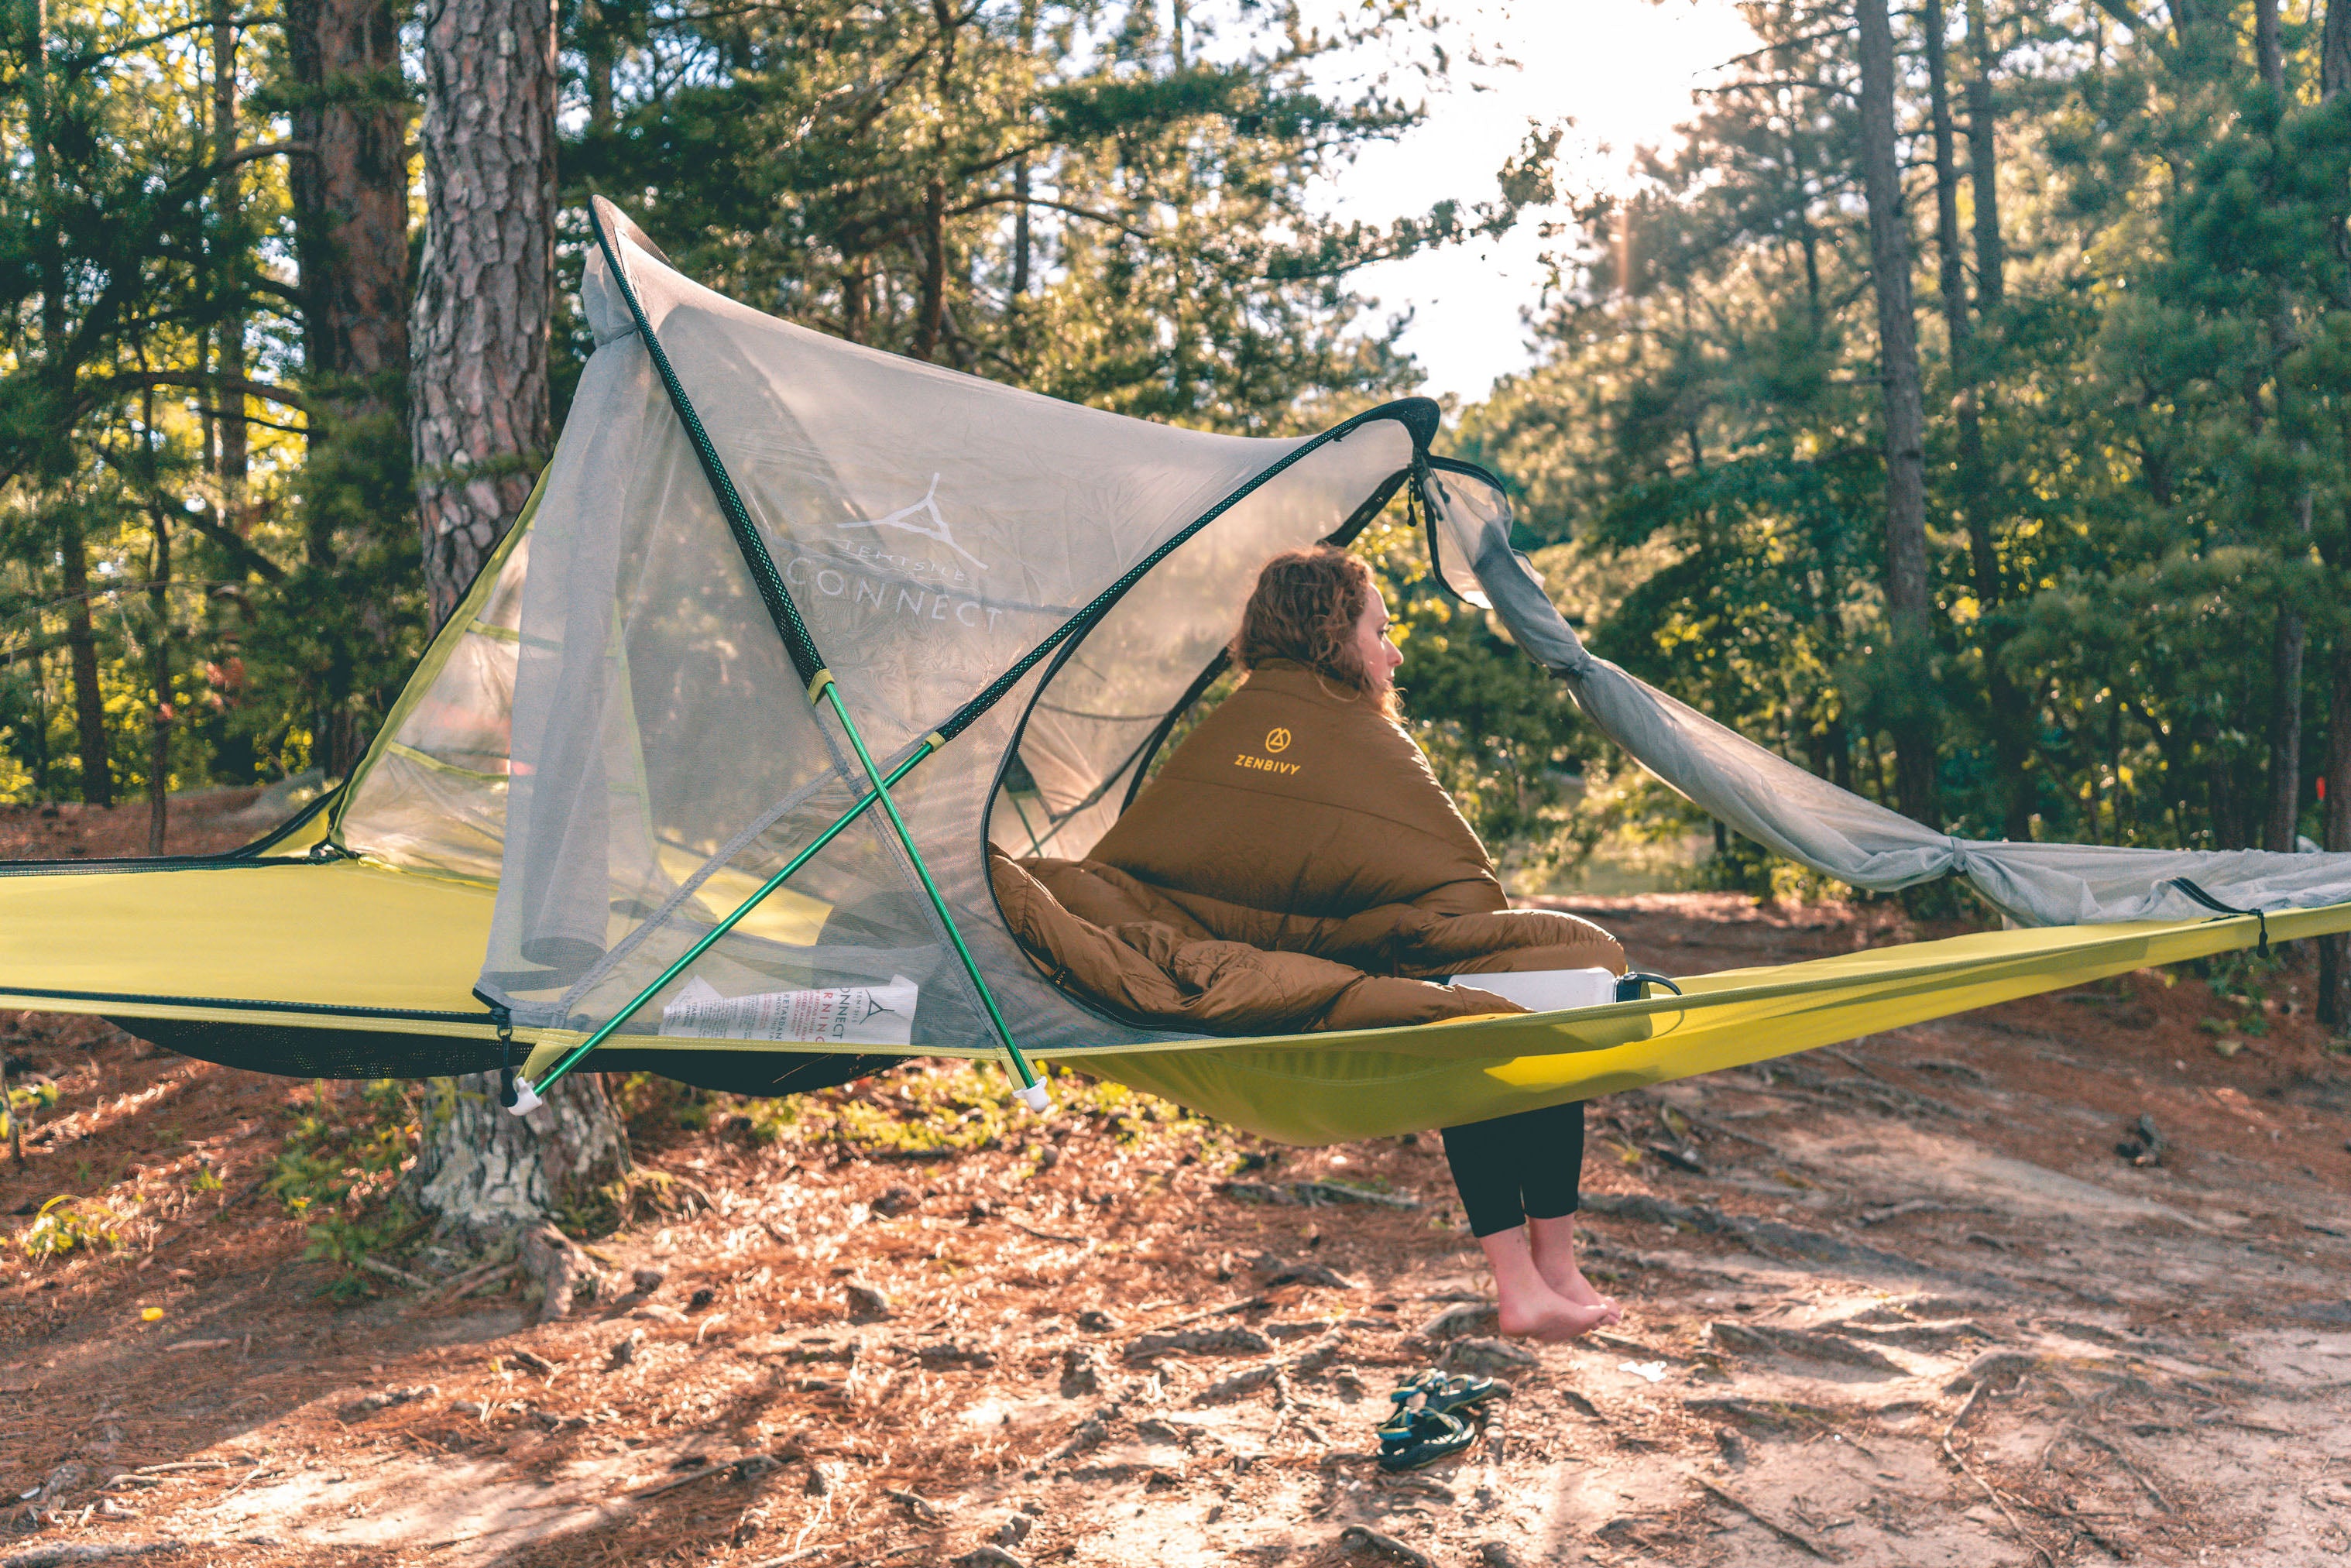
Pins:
x: 762, y: 558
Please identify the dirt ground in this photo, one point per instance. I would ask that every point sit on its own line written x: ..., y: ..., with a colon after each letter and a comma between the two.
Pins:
x: 196, y: 823
x: 1901, y: 1303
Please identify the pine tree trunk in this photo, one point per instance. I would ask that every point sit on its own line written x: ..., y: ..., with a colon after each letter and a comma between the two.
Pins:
x: 487, y: 1173
x: 159, y: 676
x: 481, y: 430
x: 2009, y: 719
x: 2334, y: 50
x: 350, y: 206
x: 2335, y: 833
x: 1983, y: 164
x: 81, y: 644
x: 488, y: 282
x: 2334, y: 952
x: 935, y: 269
x: 1907, y: 594
x: 2268, y: 50
x: 233, y: 458
x: 2280, y: 827
x: 56, y: 464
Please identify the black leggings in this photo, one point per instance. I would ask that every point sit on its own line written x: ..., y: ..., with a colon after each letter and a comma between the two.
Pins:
x: 1514, y: 1168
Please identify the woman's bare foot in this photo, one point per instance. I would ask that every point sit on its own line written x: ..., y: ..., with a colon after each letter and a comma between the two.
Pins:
x: 1527, y: 1306
x: 1552, y: 1245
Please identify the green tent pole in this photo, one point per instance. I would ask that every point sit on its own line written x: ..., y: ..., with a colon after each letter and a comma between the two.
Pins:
x: 1033, y: 1093
x: 529, y: 1093
x: 800, y: 646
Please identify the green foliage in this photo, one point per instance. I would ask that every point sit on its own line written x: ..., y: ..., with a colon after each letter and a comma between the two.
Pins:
x: 1087, y: 197
x: 922, y: 1110
x: 337, y: 1167
x: 26, y: 1100
x: 1065, y: 195
x: 2155, y: 359
x: 67, y: 1224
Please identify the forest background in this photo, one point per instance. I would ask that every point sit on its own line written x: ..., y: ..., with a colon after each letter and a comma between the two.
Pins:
x: 1963, y: 407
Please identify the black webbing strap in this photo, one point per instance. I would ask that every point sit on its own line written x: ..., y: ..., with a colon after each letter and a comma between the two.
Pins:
x: 1632, y: 985
x: 772, y: 593
x: 504, y: 1021
x: 2217, y: 907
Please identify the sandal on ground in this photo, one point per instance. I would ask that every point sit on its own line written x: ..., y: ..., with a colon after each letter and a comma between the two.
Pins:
x: 1437, y: 1392
x: 1421, y: 1384
x: 1420, y: 1438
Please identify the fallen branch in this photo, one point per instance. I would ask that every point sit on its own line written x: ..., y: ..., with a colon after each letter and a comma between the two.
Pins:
x: 1044, y: 1235
x: 258, y: 1470
x: 1793, y: 1536
x: 1952, y: 1454
x: 744, y: 1468
x: 1858, y: 1065
x: 60, y: 1555
x: 399, y: 1276
x: 1967, y: 1408
x: 1726, y: 1130
x: 988, y: 1557
x: 1356, y: 1537
x: 2105, y: 1446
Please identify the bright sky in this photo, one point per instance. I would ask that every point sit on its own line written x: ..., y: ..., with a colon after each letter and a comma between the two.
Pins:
x: 1621, y: 70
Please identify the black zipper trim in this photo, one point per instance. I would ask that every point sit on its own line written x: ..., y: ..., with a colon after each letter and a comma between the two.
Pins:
x: 227, y: 860
x: 1428, y: 514
x: 330, y: 1010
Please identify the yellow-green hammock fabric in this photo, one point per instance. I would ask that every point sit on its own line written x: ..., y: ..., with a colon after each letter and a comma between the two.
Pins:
x: 352, y: 946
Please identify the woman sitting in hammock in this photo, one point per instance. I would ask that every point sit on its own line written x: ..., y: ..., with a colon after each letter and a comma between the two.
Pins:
x: 1296, y: 866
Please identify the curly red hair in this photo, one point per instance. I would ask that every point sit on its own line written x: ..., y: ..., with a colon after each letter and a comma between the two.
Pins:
x: 1304, y: 609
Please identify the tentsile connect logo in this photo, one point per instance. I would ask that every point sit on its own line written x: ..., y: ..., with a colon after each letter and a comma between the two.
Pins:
x: 906, y: 520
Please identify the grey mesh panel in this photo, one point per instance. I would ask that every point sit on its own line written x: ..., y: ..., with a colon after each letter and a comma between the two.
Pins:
x: 436, y: 798
x: 932, y: 528
x: 1812, y: 823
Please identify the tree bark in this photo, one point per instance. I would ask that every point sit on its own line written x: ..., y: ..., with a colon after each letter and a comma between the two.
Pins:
x: 2281, y: 826
x: 2269, y: 49
x: 55, y: 464
x: 1983, y: 164
x: 489, y: 1174
x: 2334, y: 832
x: 2010, y: 736
x: 350, y: 205
x: 935, y: 269
x: 81, y: 645
x: 481, y: 429
x: 596, y: 44
x: 159, y: 676
x: 230, y: 361
x: 854, y: 300
x: 1907, y: 594
x: 488, y: 282
x: 2334, y: 50
x: 2334, y: 952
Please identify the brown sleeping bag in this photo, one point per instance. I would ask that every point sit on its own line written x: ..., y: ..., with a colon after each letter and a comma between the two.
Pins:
x: 1294, y: 867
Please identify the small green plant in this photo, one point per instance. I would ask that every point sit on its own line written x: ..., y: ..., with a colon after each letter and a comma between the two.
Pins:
x: 338, y: 1168
x: 67, y: 1224
x: 26, y: 1100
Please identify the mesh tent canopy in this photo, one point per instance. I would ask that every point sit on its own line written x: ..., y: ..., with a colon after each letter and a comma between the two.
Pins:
x: 631, y: 726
